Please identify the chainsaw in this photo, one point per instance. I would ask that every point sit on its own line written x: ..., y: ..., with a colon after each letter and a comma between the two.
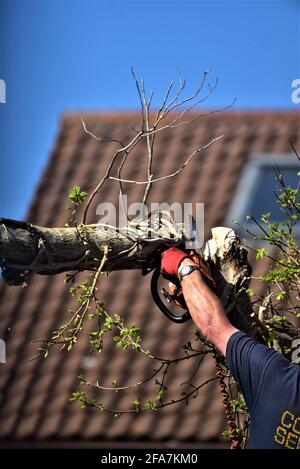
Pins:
x: 165, y: 297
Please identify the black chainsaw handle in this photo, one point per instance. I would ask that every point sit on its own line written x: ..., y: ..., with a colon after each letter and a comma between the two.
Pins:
x: 154, y: 290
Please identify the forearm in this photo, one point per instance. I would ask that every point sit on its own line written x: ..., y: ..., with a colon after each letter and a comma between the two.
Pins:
x: 206, y: 310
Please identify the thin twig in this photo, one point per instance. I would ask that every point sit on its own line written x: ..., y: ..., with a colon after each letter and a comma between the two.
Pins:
x: 173, y: 401
x: 100, y: 139
x: 195, y: 152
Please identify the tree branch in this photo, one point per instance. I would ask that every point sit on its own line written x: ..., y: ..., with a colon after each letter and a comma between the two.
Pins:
x: 26, y: 249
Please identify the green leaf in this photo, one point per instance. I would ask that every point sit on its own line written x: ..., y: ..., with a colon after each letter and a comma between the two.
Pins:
x: 136, y: 404
x: 134, y: 330
x: 281, y: 295
x: 151, y: 405
x: 77, y: 195
x: 279, y: 319
x: 72, y: 291
x: 109, y: 322
x: 238, y: 405
x: 261, y: 253
x: 79, y: 396
x: 117, y: 319
x: 101, y: 309
x: 82, y: 379
x: 266, y: 217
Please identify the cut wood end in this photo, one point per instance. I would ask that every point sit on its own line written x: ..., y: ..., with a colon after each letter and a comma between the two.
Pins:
x: 220, y: 243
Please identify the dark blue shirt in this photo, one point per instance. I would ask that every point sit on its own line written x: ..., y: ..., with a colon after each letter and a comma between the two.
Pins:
x: 271, y: 387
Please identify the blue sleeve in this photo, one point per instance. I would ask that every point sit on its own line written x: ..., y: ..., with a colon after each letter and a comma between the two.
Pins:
x: 249, y: 362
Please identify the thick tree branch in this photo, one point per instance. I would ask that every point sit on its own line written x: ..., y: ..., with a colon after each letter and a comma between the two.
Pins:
x: 27, y: 249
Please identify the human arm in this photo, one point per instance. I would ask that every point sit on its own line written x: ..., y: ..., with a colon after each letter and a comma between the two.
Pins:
x: 204, y: 306
x: 206, y: 309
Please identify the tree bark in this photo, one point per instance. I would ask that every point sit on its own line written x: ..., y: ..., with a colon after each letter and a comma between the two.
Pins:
x: 26, y: 249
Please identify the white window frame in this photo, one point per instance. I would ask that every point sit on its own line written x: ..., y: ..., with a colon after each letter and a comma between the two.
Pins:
x: 252, y: 176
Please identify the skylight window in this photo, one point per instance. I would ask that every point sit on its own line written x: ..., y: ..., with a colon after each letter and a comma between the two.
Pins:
x: 255, y: 193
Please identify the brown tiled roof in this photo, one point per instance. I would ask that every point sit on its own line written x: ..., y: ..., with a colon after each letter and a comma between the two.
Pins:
x: 34, y: 394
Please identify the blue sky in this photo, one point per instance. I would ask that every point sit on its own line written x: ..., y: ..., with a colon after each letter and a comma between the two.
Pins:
x: 58, y: 56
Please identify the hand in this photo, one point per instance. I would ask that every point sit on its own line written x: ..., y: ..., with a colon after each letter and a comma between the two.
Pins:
x: 171, y: 260
x: 173, y: 257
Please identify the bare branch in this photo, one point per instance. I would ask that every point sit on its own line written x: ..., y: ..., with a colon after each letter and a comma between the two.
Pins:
x: 202, y: 115
x: 168, y: 106
x: 294, y: 149
x: 149, y: 133
x: 173, y: 105
x: 124, y: 388
x: 150, y: 142
x: 128, y: 147
x: 194, y: 392
x: 100, y: 139
x: 140, y: 95
x: 164, y: 100
x: 195, y: 152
